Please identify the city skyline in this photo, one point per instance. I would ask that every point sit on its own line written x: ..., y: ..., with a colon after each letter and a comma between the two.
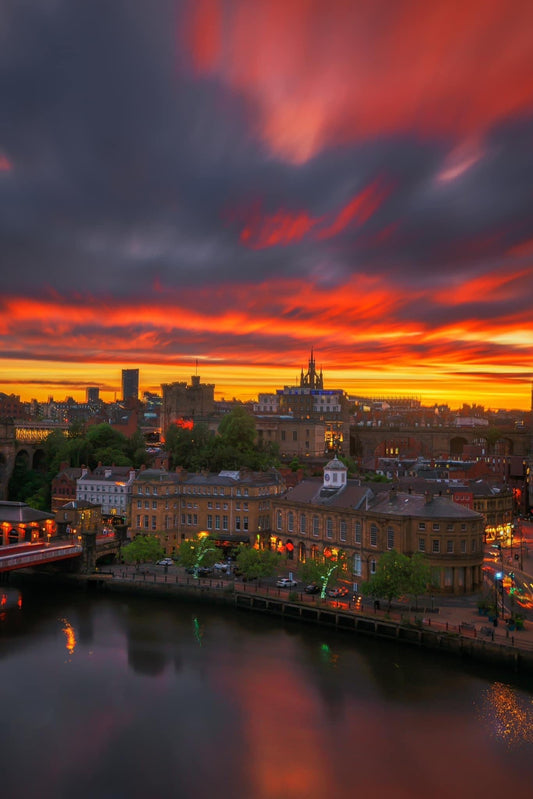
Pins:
x: 231, y: 184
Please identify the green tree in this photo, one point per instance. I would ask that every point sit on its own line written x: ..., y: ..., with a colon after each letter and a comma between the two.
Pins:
x: 324, y: 570
x: 237, y: 430
x: 418, y: 577
x: 196, y: 552
x: 258, y: 563
x: 143, y: 549
x: 391, y: 578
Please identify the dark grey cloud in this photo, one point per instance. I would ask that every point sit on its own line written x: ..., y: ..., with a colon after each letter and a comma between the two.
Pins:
x: 129, y: 169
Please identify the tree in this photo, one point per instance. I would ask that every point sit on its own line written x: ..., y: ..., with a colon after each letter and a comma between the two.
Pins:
x: 257, y: 562
x: 418, y: 576
x: 391, y: 578
x: 143, y: 549
x: 324, y: 570
x: 196, y: 552
x: 237, y: 430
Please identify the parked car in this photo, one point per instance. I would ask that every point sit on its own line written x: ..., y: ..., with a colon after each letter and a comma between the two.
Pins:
x: 203, y: 570
x: 165, y: 562
x: 312, y: 588
x: 338, y: 592
x: 221, y: 567
x: 286, y: 582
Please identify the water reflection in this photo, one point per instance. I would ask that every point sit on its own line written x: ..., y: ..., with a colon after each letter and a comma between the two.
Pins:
x: 508, y: 714
x: 70, y: 636
x: 168, y: 698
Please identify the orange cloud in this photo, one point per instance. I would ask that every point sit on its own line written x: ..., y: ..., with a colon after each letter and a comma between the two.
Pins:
x: 356, y: 70
x: 495, y: 286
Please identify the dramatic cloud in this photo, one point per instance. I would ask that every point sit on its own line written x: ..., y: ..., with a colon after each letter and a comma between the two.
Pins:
x: 237, y: 181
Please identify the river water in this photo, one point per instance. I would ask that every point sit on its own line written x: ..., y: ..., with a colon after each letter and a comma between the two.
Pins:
x: 111, y: 696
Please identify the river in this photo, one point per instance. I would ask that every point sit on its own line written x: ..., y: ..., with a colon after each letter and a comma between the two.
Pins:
x: 109, y: 696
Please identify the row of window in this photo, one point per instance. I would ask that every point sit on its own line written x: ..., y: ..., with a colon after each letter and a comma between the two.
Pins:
x: 328, y: 527
x: 450, y: 545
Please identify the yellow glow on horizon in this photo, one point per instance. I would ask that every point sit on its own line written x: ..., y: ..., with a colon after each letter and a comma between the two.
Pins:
x: 444, y: 383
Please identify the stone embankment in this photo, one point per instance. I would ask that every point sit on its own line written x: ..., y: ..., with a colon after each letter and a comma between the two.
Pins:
x: 453, y: 630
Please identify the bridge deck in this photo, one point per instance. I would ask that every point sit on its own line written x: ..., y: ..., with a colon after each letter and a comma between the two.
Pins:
x: 20, y: 556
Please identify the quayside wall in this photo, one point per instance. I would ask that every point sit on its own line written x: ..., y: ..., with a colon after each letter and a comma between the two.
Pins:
x: 514, y: 655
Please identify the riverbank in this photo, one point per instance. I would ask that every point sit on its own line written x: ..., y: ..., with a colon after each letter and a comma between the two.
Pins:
x: 457, y: 631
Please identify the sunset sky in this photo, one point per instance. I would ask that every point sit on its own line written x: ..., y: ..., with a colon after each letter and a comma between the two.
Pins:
x: 237, y: 182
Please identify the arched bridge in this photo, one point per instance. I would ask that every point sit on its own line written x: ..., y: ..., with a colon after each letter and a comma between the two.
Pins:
x: 438, y: 442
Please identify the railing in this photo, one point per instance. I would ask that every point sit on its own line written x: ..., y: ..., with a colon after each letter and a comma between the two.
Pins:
x: 422, y: 619
x: 30, y: 558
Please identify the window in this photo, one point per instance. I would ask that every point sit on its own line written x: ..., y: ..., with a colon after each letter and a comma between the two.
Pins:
x: 357, y: 565
x: 421, y: 544
x: 139, y: 503
x: 189, y: 518
x: 449, y: 527
x: 342, y: 530
x: 279, y: 521
x: 294, y: 435
x: 436, y: 527
x: 421, y: 525
x: 154, y: 522
x: 329, y: 527
x: 449, y: 547
x: 290, y: 521
x: 390, y: 538
x: 217, y: 522
x: 373, y: 566
x: 435, y: 546
x: 303, y: 523
x: 357, y: 532
x: 463, y: 527
x: 147, y: 491
x: 237, y: 522
x: 209, y: 521
x: 463, y: 545
x: 245, y: 522
x: 210, y: 505
x: 145, y: 521
x: 146, y: 504
x: 154, y: 504
x: 138, y: 521
x: 224, y: 522
x: 473, y: 545
x: 316, y: 526
x: 373, y: 535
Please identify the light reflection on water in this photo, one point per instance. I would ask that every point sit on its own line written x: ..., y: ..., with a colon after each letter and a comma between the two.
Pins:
x: 508, y: 714
x: 170, y: 699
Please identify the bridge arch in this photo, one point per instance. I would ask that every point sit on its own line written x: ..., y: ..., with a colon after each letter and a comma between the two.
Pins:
x: 38, y: 462
x: 457, y: 446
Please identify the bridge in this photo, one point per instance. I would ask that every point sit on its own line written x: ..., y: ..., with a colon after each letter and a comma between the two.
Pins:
x: 88, y: 549
x: 22, y: 556
x: 438, y: 442
x: 23, y: 440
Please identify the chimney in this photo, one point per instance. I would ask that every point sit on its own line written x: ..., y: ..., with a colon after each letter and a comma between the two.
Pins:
x: 428, y: 496
x: 107, y: 472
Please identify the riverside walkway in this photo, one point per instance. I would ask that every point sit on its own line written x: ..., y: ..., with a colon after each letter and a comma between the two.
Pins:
x: 453, y: 617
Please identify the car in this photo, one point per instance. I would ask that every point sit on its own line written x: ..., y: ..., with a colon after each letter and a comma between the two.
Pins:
x: 221, y: 567
x: 165, y: 562
x: 286, y: 582
x: 203, y: 570
x: 337, y: 592
x: 312, y: 588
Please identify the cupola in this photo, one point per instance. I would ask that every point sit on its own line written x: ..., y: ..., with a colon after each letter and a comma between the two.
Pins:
x: 335, y: 474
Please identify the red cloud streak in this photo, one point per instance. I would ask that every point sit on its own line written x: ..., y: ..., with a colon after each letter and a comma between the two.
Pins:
x: 286, y: 227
